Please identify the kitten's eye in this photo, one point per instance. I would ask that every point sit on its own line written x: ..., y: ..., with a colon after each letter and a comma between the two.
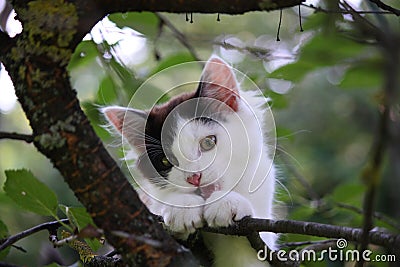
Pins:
x: 166, y: 162
x: 208, y: 143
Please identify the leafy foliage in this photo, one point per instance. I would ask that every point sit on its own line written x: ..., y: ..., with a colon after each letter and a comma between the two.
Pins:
x: 3, y: 234
x: 34, y: 196
x: 323, y: 121
x: 29, y: 193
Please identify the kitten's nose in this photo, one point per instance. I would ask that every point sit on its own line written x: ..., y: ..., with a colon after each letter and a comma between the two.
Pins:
x: 194, y: 179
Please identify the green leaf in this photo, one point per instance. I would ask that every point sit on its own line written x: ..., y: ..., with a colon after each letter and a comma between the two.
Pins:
x: 85, y: 52
x: 143, y: 22
x: 349, y: 193
x: 30, y: 193
x: 294, y: 71
x: 3, y: 234
x: 363, y: 75
x: 329, y: 49
x: 173, y: 60
x: 79, y: 217
x: 106, y: 93
x: 92, y: 112
x: 302, y: 213
x: 323, y: 50
x: 278, y: 101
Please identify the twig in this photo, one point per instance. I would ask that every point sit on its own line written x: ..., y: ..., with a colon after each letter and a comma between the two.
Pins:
x: 50, y: 226
x: 371, y: 173
x: 141, y: 239
x: 279, y: 26
x: 388, y: 8
x: 376, y: 215
x: 64, y: 241
x: 19, y: 248
x: 259, y: 52
x: 178, y: 35
x: 248, y: 225
x: 16, y: 136
x: 327, y: 11
x: 365, y: 23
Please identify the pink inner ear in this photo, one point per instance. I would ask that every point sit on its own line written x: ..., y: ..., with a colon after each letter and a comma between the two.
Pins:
x: 114, y: 116
x: 220, y: 82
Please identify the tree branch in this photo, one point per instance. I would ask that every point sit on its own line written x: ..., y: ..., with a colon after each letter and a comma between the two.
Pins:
x: 16, y: 136
x: 64, y: 134
x: 205, y: 6
x: 383, y: 6
x: 178, y: 35
x: 341, y: 11
x: 50, y: 226
x: 376, y: 215
x: 248, y: 225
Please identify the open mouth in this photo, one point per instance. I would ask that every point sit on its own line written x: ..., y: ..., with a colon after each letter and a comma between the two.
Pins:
x: 203, y: 190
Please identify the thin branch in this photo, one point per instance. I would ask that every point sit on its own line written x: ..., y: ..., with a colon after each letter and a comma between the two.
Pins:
x: 258, y: 52
x: 363, y: 23
x: 341, y: 11
x: 388, y: 8
x: 248, y: 225
x: 16, y: 136
x: 64, y: 241
x: 141, y: 239
x: 50, y: 226
x: 178, y: 35
x: 376, y: 215
x: 19, y: 248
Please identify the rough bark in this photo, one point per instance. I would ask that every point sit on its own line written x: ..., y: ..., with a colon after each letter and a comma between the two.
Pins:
x: 36, y: 61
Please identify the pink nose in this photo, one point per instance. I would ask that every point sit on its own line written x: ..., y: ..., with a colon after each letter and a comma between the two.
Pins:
x: 194, y: 179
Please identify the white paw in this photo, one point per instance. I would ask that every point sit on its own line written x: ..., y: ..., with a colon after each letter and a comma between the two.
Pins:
x: 224, y: 211
x: 186, y: 218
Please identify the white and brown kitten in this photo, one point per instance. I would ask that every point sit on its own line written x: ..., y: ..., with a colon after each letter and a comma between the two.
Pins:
x: 203, y: 159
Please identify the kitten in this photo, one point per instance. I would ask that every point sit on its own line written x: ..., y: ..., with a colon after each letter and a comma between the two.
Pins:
x: 202, y: 158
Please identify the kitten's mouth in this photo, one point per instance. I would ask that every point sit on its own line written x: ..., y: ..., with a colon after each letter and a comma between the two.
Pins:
x: 204, y: 191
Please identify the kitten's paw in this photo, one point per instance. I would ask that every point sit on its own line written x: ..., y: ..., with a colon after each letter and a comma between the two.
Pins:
x: 226, y: 209
x: 186, y: 218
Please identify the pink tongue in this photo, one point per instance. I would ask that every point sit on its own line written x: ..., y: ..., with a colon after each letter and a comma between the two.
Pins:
x: 207, y: 190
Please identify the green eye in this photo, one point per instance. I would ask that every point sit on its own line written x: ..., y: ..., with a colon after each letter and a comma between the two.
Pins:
x: 208, y: 142
x: 165, y: 162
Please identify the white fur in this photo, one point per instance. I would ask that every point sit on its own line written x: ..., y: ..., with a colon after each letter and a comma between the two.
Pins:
x: 240, y: 163
x: 241, y: 166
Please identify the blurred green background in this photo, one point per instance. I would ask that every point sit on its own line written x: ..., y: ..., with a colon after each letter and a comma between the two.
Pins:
x: 325, y: 85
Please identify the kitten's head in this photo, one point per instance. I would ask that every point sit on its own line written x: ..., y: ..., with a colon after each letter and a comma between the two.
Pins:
x: 196, y: 142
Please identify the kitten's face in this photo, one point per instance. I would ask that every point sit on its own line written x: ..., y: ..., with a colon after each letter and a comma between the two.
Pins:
x: 199, y: 142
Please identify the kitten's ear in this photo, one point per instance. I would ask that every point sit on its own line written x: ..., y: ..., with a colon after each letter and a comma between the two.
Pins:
x: 219, y: 82
x: 128, y: 122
